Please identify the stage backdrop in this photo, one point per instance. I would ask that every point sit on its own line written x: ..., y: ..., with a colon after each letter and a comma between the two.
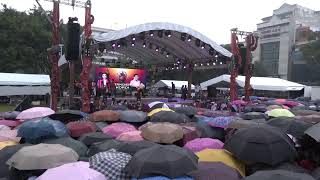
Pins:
x: 121, y: 76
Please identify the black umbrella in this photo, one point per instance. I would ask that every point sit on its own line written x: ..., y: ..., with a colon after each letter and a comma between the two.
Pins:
x: 135, y: 146
x: 254, y: 115
x: 262, y: 144
x: 133, y: 116
x: 290, y: 126
x: 170, y: 160
x: 188, y: 111
x: 316, y: 173
x: 278, y: 175
x: 169, y: 116
x: 103, y: 146
x: 206, y: 131
x: 77, y: 146
x: 16, y: 174
x: 314, y: 132
x: 6, y: 154
x: 256, y: 108
x: 67, y: 116
x: 94, y: 137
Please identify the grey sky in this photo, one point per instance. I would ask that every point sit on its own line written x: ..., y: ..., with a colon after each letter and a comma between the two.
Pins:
x: 213, y: 18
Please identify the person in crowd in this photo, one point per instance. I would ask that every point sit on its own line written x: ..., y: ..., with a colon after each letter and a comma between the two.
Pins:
x: 184, y: 91
x: 198, y: 91
x: 173, y: 89
x: 93, y: 89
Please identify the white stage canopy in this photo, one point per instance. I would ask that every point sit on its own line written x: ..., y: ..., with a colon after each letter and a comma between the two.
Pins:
x: 12, y: 84
x: 257, y: 83
x: 167, y: 83
x: 160, y: 43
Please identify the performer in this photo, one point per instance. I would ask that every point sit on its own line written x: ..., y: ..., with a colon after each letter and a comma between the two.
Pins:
x: 103, y: 85
x: 137, y: 85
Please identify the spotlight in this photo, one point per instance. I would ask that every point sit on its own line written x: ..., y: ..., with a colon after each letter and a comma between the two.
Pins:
x: 133, y: 38
x: 214, y: 63
x: 144, y: 45
x: 114, y: 45
x: 216, y: 56
x: 208, y: 64
x: 168, y: 54
x: 195, y: 65
x: 198, y: 42
x: 177, y: 67
x: 183, y: 36
x: 172, y: 68
x: 132, y: 44
x: 220, y: 62
x: 189, y: 38
x: 160, y: 34
x: 151, y: 33
x: 157, y: 49
x: 203, y: 45
x: 166, y: 69
x: 184, y: 67
x: 168, y: 33
x: 201, y: 64
x: 119, y: 45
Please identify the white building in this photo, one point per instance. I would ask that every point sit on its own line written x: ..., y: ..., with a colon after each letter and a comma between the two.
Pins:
x: 280, y: 34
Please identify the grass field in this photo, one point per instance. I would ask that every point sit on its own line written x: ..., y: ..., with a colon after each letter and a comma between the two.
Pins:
x: 5, y: 107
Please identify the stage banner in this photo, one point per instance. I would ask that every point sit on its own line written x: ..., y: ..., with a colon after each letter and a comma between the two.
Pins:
x: 121, y: 76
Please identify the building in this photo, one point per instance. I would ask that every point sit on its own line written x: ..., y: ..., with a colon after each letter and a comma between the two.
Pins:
x: 280, y: 37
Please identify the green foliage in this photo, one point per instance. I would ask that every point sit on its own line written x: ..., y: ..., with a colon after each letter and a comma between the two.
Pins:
x: 311, y: 51
x: 24, y: 38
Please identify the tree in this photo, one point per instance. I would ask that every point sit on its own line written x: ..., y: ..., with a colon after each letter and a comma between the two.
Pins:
x: 311, y: 50
x: 24, y: 38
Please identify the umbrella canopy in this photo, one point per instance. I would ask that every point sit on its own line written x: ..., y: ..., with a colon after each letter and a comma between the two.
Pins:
x: 168, y: 116
x: 67, y: 116
x: 77, y: 146
x: 220, y: 122
x: 166, y: 133
x: 223, y: 156
x: 71, y: 171
x: 313, y: 119
x: 117, y: 107
x: 164, y: 178
x: 4, y: 127
x: 290, y: 126
x: 189, y: 133
x: 133, y: 116
x: 206, y: 131
x: 34, y: 131
x: 36, y: 112
x: 105, y: 115
x: 253, y: 115
x: 10, y: 123
x: 274, y: 106
x: 111, y: 163
x: 256, y: 108
x: 9, y: 135
x: 94, y: 137
x: 4, y: 144
x: 79, y: 128
x: 151, y: 113
x: 278, y: 175
x: 171, y: 161
x: 240, y: 123
x: 116, y: 129
x: 186, y: 110
x: 262, y: 144
x: 42, y: 156
x: 101, y: 125
x: 135, y: 146
x: 9, y: 114
x: 5, y: 154
x: 200, y: 144
x: 314, y: 132
x: 157, y: 104
x: 215, y: 171
x: 130, y: 136
x: 302, y: 112
x: 279, y: 113
x: 103, y: 146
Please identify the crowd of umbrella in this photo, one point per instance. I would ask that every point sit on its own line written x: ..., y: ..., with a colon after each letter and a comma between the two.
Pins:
x: 266, y: 139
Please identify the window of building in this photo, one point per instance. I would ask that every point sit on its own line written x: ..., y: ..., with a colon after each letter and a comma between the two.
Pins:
x: 270, y: 57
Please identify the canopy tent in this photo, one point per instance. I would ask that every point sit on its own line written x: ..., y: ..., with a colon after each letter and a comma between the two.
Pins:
x: 167, y: 83
x: 257, y: 83
x: 155, y: 43
x: 24, y: 84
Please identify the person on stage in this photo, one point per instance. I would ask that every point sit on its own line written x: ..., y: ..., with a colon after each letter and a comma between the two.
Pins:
x: 104, y: 85
x: 137, y: 85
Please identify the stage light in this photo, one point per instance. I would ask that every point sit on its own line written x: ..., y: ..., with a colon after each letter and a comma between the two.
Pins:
x: 168, y: 54
x: 167, y: 33
x: 201, y: 64
x: 216, y: 56
x: 203, y: 45
x: 133, y: 38
x: 119, y: 45
x: 183, y: 36
x: 172, y: 68
x: 220, y: 62
x: 160, y: 33
x: 208, y: 64
x: 144, y: 45
x: 166, y: 69
x: 214, y: 64
x: 132, y: 44
x: 198, y: 42
x: 151, y: 33
x: 177, y: 67
x: 184, y: 67
x: 157, y: 49
x: 113, y: 45
x: 189, y: 38
x: 195, y: 65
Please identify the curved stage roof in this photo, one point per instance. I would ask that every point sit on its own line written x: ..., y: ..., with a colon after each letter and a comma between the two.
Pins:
x: 159, y: 43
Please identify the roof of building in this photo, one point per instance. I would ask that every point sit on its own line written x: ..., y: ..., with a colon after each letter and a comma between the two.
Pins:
x: 14, y: 79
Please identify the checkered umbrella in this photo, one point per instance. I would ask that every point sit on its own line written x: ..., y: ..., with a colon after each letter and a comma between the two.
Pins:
x: 111, y: 163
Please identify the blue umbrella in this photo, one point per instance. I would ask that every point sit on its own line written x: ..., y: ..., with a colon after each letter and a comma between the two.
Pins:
x: 34, y: 131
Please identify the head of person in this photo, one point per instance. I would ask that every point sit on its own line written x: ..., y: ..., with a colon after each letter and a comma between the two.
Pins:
x: 104, y: 76
x: 136, y: 77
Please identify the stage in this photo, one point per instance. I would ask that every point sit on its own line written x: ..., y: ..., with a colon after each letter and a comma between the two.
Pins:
x: 146, y: 100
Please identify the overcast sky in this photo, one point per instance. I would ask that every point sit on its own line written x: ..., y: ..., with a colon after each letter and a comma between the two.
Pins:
x: 213, y: 18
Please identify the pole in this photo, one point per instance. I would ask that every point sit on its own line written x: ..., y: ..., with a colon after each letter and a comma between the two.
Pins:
x: 87, y: 59
x: 251, y: 43
x: 236, y: 62
x: 190, y: 72
x: 71, y: 82
x: 54, y: 57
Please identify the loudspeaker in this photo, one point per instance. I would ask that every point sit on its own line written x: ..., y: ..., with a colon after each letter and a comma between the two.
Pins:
x: 73, y: 41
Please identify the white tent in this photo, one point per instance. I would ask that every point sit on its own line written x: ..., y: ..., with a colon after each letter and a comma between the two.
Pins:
x: 258, y: 83
x: 12, y: 84
x: 167, y: 83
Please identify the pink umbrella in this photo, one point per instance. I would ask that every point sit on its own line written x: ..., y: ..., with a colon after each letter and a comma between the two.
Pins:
x: 291, y: 104
x: 78, y: 170
x: 4, y: 127
x: 116, y: 129
x: 239, y: 102
x: 130, y: 136
x: 280, y: 101
x: 9, y: 135
x: 36, y: 112
x: 10, y: 123
x: 200, y: 144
